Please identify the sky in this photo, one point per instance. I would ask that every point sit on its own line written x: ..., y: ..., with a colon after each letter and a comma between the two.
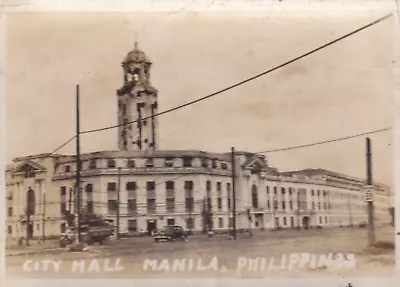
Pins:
x: 343, y: 90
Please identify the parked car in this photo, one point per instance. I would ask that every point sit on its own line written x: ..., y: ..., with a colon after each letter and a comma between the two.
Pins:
x: 363, y: 224
x: 171, y: 233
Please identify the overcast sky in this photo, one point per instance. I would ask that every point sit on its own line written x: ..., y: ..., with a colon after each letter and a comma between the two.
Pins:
x: 343, y: 90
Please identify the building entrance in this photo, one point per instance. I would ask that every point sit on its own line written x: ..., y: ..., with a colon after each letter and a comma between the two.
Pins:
x: 151, y: 225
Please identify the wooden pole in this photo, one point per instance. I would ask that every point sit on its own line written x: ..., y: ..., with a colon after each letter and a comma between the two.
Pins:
x: 118, y: 201
x: 234, y: 191
x: 78, y: 166
x: 370, y: 204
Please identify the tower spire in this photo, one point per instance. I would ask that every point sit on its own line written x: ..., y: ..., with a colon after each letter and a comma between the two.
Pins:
x: 136, y: 43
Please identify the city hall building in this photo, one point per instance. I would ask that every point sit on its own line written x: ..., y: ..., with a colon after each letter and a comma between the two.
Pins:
x: 152, y: 188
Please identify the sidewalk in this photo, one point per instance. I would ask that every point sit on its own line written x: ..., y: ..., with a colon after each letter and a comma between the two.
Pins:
x: 34, y: 248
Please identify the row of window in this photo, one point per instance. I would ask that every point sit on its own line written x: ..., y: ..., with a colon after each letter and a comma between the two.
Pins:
x: 168, y: 162
x: 319, y: 193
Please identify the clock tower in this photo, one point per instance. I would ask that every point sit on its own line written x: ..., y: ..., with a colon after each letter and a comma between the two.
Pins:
x: 137, y: 104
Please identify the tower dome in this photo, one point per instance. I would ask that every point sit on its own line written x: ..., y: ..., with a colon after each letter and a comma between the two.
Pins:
x: 137, y: 56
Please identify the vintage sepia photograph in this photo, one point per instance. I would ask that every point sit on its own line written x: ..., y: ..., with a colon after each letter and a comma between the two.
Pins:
x: 199, y: 145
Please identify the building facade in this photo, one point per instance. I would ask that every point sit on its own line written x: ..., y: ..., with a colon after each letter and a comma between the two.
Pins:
x: 151, y: 188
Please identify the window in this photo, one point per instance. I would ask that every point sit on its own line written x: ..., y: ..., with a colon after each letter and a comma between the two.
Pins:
x: 312, y: 192
x: 267, y: 190
x: 283, y: 191
x: 219, y: 196
x: 313, y: 205
x: 214, y: 163
x: 291, y: 205
x: 92, y: 164
x: 131, y: 186
x: 9, y: 229
x: 170, y: 196
x: 112, y: 206
x: 274, y: 190
x: 169, y: 162
x: 318, y: 193
x: 219, y: 200
x: 284, y: 221
x: 221, y: 222
x: 10, y: 211
x: 151, y: 197
x: 132, y: 207
x: 326, y: 219
x: 319, y: 205
x: 190, y: 223
x: 149, y: 162
x: 254, y: 196
x: 111, y: 186
x: 292, y: 221
x: 268, y: 204
x: 170, y: 221
x: 324, y: 205
x: 132, y: 225
x: 209, y: 203
x: 189, y: 196
x: 283, y: 205
x: 224, y: 165
x: 131, y: 163
x: 89, y: 189
x: 169, y: 185
x: 150, y: 185
x: 170, y: 205
x: 187, y: 161
x: 67, y: 168
x: 320, y: 220
x: 89, y: 206
x: 205, y: 163
x: 63, y: 203
x: 275, y: 204
x: 111, y: 163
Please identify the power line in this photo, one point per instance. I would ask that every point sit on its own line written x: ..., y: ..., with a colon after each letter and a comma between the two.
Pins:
x: 325, y: 142
x: 58, y: 148
x: 247, y: 80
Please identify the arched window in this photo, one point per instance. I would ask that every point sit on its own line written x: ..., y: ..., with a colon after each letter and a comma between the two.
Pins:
x: 254, y: 196
x: 31, y: 202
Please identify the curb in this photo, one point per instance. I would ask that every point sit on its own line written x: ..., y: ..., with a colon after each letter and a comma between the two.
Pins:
x: 34, y: 252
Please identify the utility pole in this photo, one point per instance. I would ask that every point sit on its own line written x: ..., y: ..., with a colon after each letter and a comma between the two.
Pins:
x: 234, y: 191
x: 78, y: 167
x: 28, y: 216
x: 44, y: 216
x: 118, y: 199
x: 229, y: 212
x: 298, y: 210
x: 370, y: 206
x: 70, y: 201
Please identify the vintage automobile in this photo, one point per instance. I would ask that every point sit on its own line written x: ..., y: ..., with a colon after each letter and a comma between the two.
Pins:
x: 171, y: 233
x: 94, y: 229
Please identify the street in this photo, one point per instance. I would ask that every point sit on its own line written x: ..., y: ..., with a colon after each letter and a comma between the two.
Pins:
x: 281, y: 253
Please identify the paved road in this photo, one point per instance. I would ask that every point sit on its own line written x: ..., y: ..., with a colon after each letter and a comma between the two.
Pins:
x: 230, y: 256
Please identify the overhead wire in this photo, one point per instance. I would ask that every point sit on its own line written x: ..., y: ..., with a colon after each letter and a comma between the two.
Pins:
x: 248, y: 79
